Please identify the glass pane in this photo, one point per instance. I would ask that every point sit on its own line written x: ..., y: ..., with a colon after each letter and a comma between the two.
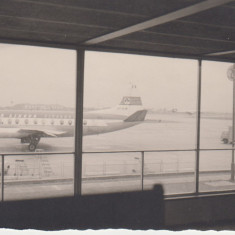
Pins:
x: 111, y: 172
x: 134, y: 102
x: 38, y: 98
x: 216, y: 116
x: 215, y: 171
x: 173, y: 170
x: 38, y: 176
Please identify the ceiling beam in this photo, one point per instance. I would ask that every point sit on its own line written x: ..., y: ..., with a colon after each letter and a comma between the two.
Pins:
x: 206, y: 24
x: 74, y: 7
x: 39, y: 20
x: 187, y: 11
x: 187, y: 36
x: 221, y: 53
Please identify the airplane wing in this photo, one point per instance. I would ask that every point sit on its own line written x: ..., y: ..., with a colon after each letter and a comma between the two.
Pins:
x: 41, y: 133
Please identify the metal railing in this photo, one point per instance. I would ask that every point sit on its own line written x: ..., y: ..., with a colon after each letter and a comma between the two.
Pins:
x: 142, y: 162
x: 17, y: 170
x: 177, y: 170
x: 142, y: 158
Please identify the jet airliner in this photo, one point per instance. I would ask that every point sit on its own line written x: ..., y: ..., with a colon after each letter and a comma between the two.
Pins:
x: 30, y: 123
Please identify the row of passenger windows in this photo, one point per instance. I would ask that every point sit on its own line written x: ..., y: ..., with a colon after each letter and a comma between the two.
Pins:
x: 36, y: 116
x: 36, y: 121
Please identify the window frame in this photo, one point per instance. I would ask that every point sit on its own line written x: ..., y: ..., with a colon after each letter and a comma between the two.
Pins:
x: 80, y: 57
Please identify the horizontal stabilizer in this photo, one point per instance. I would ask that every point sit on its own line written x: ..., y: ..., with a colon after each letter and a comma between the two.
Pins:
x: 138, y: 116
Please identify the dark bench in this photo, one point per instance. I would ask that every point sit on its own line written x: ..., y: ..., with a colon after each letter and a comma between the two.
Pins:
x: 131, y: 210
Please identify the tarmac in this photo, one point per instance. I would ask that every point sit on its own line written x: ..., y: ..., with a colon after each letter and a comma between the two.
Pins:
x: 51, y: 176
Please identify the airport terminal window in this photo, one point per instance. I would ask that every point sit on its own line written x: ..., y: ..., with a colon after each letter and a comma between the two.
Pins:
x: 174, y: 170
x: 140, y: 103
x: 40, y: 176
x: 42, y: 83
x: 36, y: 83
x: 139, y: 123
x: 216, y: 105
x: 216, y: 127
x: 106, y: 172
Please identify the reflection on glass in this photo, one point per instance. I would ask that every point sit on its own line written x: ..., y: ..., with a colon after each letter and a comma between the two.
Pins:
x: 173, y: 170
x: 136, y: 102
x: 215, y: 171
x: 216, y: 106
x: 38, y: 176
x: 39, y: 98
x: 111, y: 172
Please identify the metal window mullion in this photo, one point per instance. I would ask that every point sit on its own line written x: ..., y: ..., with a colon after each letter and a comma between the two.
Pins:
x: 79, y: 121
x: 233, y: 134
x: 2, y: 173
x: 198, y: 127
x: 142, y: 170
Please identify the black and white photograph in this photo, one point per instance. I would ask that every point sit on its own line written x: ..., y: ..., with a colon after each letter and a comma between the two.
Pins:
x: 117, y: 115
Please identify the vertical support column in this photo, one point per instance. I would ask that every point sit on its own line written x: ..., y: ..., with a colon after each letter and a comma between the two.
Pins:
x: 2, y: 174
x: 198, y: 126
x: 142, y: 170
x: 233, y: 134
x: 79, y: 123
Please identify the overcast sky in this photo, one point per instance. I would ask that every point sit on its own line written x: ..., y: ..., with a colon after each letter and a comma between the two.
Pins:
x: 162, y: 82
x: 37, y: 75
x: 47, y: 76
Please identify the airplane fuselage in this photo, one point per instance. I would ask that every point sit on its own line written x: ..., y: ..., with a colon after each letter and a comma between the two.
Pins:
x: 61, y: 123
x: 11, y: 121
x: 32, y: 122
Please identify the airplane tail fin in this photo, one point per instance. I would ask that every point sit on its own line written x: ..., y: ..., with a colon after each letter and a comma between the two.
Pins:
x: 138, y: 116
x: 133, y: 98
x: 131, y: 106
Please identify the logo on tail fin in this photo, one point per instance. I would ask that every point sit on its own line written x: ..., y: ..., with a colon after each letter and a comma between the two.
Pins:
x: 131, y: 100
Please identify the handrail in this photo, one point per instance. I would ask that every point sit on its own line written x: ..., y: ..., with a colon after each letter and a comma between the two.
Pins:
x: 152, y: 151
x: 35, y: 153
x: 138, y: 151
x: 118, y: 151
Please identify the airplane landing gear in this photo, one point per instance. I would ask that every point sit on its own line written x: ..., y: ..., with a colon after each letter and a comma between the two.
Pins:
x: 32, y: 147
x: 33, y: 142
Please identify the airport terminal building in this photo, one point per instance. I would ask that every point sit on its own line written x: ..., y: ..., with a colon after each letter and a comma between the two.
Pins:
x: 117, y: 110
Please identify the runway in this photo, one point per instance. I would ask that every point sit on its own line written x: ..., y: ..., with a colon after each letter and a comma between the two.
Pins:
x: 50, y: 175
